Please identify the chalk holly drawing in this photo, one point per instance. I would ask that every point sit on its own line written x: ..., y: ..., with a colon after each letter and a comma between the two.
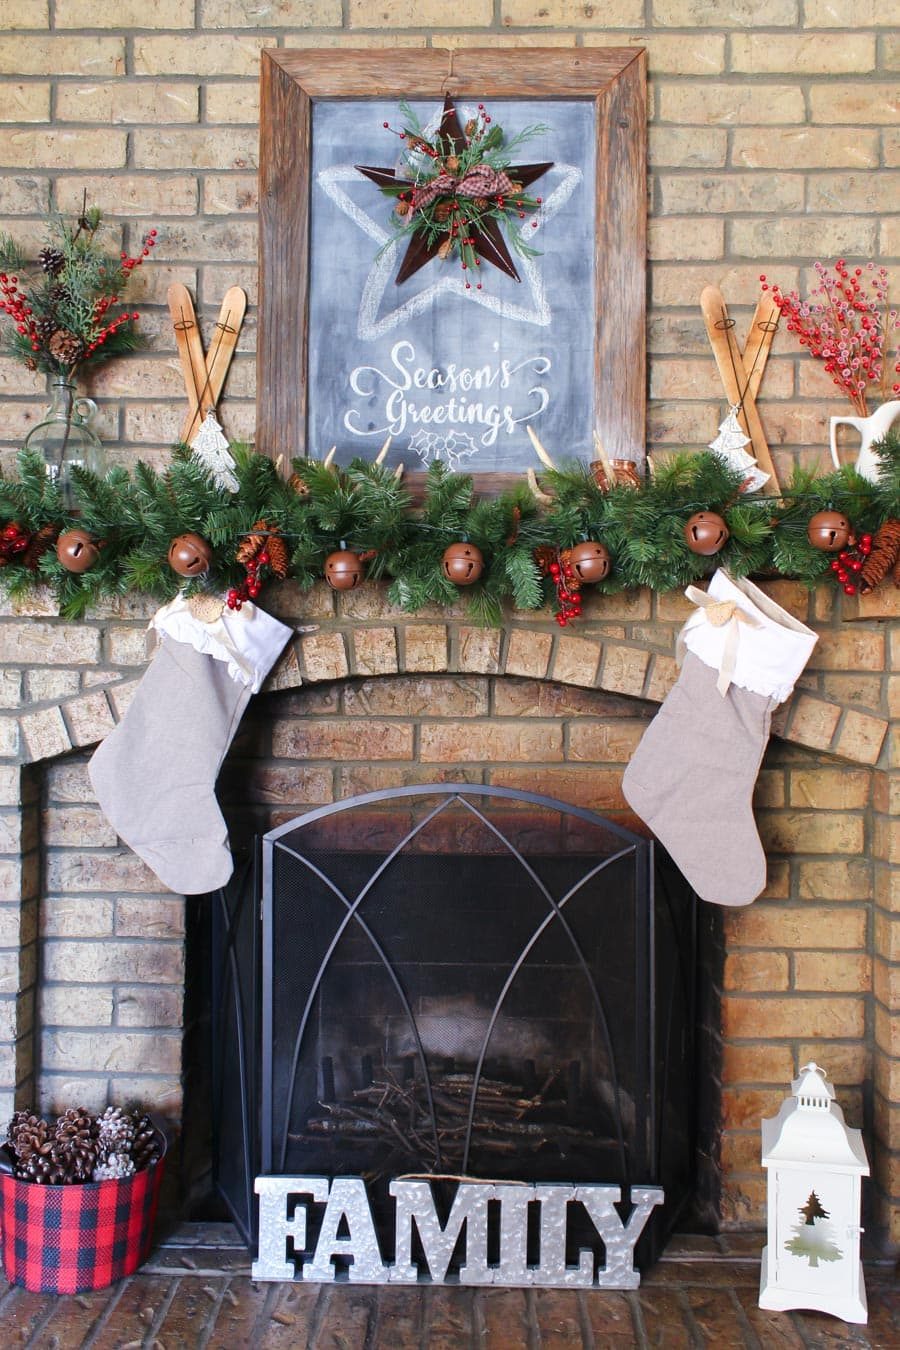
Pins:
x: 451, y: 447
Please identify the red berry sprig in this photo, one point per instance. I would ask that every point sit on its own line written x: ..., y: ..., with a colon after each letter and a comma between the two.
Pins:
x: 148, y: 242
x: 13, y: 541
x: 251, y: 586
x: 15, y: 302
x: 849, y: 562
x: 555, y: 564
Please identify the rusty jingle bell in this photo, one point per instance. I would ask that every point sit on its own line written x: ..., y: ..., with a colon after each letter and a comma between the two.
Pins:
x: 590, y: 561
x: 829, y: 531
x: 77, y: 551
x: 705, y: 533
x: 462, y: 563
x: 190, y: 555
x: 344, y: 570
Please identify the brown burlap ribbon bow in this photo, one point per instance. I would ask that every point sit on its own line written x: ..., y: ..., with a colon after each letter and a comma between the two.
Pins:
x: 718, y: 613
x: 480, y: 181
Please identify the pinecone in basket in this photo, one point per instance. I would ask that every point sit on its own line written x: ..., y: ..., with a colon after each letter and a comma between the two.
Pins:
x: 76, y: 1142
x: 65, y: 346
x: 145, y: 1146
x: 26, y: 1133
x: 47, y: 1167
x: 115, y: 1167
x: 116, y: 1132
x: 53, y: 260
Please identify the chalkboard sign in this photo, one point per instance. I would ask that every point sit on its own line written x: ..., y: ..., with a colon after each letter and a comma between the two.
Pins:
x: 446, y: 369
x: 350, y: 355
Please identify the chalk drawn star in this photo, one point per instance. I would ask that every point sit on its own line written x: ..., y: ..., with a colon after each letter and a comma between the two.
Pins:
x: 534, y: 308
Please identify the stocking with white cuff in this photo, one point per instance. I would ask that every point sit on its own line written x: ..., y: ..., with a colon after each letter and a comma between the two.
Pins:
x: 691, y: 779
x: 155, y: 773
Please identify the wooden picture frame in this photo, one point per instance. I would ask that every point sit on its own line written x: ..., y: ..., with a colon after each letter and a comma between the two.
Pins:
x: 612, y: 81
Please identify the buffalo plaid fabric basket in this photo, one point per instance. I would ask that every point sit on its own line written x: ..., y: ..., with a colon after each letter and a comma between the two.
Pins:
x: 68, y: 1239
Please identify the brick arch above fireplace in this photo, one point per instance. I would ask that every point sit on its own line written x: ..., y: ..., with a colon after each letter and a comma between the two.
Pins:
x: 623, y: 644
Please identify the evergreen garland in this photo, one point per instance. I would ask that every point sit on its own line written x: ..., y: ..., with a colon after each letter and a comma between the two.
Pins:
x: 134, y: 517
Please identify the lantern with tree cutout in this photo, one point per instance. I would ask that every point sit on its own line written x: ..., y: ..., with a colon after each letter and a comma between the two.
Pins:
x: 814, y: 1164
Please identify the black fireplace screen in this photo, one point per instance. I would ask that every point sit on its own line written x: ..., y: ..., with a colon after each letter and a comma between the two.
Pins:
x: 456, y: 980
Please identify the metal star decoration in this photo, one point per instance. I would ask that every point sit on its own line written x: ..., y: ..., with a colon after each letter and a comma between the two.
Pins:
x: 485, y: 237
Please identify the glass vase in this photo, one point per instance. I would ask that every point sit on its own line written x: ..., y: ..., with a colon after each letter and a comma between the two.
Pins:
x: 65, y: 439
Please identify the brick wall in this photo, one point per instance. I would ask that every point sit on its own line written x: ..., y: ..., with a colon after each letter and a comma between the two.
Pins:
x: 773, y: 141
x: 374, y: 698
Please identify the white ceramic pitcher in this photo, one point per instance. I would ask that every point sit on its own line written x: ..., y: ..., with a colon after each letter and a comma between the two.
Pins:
x: 871, y: 429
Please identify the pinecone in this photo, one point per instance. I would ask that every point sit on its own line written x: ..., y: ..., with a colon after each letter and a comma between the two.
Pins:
x: 266, y: 537
x: 115, y: 1132
x: 45, y: 328
x: 76, y: 1142
x: 279, y: 558
x: 116, y: 1166
x: 65, y: 346
x: 53, y: 260
x: 444, y: 248
x: 145, y: 1148
x: 57, y: 294
x: 442, y: 212
x: 48, y: 1167
x: 25, y: 1132
x: 884, y: 557
x: 296, y: 483
x: 251, y: 544
x: 38, y: 545
x: 480, y: 203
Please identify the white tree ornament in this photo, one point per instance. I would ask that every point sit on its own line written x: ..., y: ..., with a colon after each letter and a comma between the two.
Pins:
x: 729, y: 445
x: 211, y: 448
x: 814, y: 1163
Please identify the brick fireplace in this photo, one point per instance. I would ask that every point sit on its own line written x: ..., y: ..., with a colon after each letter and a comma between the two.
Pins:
x: 93, y: 952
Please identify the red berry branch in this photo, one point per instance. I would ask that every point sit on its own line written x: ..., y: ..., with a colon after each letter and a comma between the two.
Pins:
x: 849, y: 562
x: 849, y: 327
x: 555, y: 564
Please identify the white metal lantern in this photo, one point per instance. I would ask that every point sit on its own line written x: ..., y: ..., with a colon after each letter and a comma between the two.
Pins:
x: 814, y: 1163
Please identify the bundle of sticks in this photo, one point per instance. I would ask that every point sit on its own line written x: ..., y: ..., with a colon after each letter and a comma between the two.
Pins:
x: 392, y: 1115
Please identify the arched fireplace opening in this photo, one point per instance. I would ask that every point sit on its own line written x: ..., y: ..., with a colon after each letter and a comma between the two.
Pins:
x: 457, y: 980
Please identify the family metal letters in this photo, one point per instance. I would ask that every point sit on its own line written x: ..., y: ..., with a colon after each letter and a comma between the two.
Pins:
x: 347, y: 1240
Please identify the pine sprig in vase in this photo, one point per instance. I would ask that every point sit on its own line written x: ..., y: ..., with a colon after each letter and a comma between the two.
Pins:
x: 65, y: 304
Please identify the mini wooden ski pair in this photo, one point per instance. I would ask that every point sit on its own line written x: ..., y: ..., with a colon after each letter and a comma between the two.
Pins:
x: 204, y: 372
x: 742, y: 371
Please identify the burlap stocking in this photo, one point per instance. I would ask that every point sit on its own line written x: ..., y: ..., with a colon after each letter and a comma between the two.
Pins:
x: 155, y: 774
x: 691, y: 779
